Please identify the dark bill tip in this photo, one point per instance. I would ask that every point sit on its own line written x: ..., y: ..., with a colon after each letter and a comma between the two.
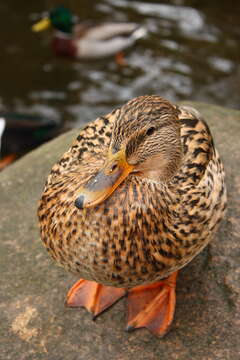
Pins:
x: 129, y: 328
x: 79, y: 202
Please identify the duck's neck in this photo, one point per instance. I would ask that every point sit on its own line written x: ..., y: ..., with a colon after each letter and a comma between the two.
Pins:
x: 163, y: 167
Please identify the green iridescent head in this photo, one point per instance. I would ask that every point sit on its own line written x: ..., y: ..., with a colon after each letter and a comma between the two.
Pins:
x: 60, y: 18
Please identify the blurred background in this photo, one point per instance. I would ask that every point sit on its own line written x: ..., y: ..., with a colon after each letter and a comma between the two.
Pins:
x: 191, y: 52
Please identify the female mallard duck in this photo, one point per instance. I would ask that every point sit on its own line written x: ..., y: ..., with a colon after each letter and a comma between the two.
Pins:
x: 88, y: 40
x: 139, y: 194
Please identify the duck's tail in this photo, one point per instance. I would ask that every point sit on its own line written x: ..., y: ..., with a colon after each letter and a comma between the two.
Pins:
x: 139, y: 33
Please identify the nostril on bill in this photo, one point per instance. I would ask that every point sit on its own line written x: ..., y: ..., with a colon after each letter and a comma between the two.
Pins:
x: 79, y: 202
x: 113, y: 167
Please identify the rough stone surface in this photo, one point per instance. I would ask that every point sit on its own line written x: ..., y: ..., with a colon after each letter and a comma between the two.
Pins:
x: 36, y: 325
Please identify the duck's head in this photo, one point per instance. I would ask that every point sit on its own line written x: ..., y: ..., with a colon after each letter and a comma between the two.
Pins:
x: 145, y: 142
x: 60, y: 18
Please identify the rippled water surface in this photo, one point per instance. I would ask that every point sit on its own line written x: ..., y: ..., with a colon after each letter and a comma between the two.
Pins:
x: 191, y: 52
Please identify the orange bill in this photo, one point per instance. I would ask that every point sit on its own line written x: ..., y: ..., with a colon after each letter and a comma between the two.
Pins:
x: 103, y: 184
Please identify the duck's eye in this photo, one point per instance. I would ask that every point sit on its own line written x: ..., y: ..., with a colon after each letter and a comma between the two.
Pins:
x: 113, y: 167
x: 150, y: 131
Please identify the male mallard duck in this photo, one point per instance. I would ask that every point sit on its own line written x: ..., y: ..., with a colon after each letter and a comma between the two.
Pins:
x: 138, y: 195
x: 87, y: 40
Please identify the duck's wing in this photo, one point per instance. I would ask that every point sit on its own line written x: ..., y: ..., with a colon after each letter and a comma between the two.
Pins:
x: 201, y: 178
x: 198, y: 146
x: 106, y: 39
x: 108, y: 31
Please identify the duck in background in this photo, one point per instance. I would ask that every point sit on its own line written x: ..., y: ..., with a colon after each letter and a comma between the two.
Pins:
x: 20, y: 133
x: 88, y: 40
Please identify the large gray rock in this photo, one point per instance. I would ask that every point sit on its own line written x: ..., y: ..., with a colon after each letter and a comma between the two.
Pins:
x: 34, y: 324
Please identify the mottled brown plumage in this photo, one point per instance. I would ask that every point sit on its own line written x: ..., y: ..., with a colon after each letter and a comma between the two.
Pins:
x: 160, y: 216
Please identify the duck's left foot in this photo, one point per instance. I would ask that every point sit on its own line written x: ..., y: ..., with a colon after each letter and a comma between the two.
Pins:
x: 93, y: 296
x: 120, y: 60
x: 152, y: 306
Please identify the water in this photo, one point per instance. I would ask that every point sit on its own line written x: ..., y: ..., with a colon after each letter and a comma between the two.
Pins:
x: 191, y: 52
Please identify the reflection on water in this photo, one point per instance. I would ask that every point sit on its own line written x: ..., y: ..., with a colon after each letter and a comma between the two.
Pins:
x: 191, y: 52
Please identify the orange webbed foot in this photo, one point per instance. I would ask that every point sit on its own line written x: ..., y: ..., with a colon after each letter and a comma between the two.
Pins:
x: 93, y: 296
x: 152, y: 306
x: 119, y: 59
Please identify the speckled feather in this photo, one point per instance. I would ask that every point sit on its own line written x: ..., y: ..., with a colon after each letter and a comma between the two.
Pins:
x: 146, y: 229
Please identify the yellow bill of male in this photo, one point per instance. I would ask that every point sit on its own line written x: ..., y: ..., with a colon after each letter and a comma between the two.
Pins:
x: 103, y: 184
x: 41, y: 25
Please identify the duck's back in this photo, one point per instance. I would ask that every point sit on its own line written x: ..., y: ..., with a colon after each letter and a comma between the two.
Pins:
x: 200, y: 185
